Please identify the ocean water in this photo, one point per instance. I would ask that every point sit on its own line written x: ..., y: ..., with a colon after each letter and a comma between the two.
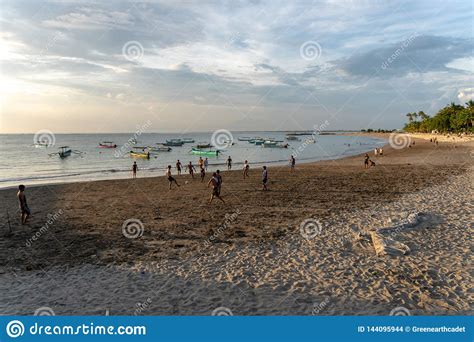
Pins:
x: 23, y: 163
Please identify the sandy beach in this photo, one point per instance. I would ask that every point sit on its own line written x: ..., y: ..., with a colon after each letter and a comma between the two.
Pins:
x: 306, y: 247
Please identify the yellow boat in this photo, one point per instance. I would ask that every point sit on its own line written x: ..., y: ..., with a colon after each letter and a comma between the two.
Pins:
x: 139, y: 155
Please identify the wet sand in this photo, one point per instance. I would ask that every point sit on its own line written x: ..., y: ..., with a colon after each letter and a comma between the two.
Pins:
x: 249, y: 255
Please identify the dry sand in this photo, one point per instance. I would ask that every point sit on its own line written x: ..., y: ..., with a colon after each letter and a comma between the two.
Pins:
x: 250, y: 255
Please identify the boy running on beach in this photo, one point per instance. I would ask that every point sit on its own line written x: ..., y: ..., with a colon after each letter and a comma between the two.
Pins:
x: 229, y: 163
x: 134, y: 170
x: 292, y: 163
x: 178, y: 167
x: 264, y: 178
x: 191, y: 169
x: 24, y: 209
x: 366, y: 161
x: 170, y: 177
x: 215, y: 188
x: 206, y: 163
x: 246, y: 169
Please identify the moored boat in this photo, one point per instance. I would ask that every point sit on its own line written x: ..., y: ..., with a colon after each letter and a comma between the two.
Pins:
x: 187, y: 140
x: 244, y: 138
x: 205, y: 152
x: 173, y: 142
x: 107, y: 144
x: 203, y: 145
x: 145, y: 155
x: 292, y: 137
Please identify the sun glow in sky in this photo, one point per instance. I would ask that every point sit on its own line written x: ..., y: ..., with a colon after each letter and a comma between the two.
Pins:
x: 247, y: 65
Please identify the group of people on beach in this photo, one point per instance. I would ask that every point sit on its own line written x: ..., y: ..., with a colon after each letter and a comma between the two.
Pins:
x: 216, y: 179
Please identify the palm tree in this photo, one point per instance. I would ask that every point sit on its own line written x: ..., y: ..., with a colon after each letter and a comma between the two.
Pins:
x: 410, y: 117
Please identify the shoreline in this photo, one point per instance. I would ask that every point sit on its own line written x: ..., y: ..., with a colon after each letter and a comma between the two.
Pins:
x: 145, y: 173
x: 256, y: 254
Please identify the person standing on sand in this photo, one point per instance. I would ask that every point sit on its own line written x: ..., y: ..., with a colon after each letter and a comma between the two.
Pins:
x: 229, y: 163
x: 170, y: 177
x: 381, y: 152
x: 191, y: 169
x: 134, y: 170
x: 246, y: 169
x: 292, y: 163
x: 376, y: 151
x: 264, y: 178
x: 24, y: 209
x: 178, y: 167
x: 200, y: 163
x: 203, y: 173
x: 206, y: 163
x: 366, y: 161
x: 215, y: 188
x: 219, y: 179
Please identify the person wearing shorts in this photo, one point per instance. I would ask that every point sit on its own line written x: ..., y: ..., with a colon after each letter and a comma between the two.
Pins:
x: 24, y: 209
x: 171, y: 179
x: 134, y: 170
x: 178, y: 167
x: 264, y: 178
x: 214, y: 181
x: 246, y: 169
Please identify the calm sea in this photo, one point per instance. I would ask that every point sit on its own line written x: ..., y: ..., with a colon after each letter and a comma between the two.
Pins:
x: 22, y: 162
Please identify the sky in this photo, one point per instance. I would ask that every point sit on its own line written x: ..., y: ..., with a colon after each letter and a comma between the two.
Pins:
x: 115, y: 66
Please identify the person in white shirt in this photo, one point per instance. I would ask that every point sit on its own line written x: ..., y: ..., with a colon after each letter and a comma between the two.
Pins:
x: 246, y: 169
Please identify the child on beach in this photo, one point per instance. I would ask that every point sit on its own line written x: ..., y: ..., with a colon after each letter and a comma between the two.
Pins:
x: 381, y: 152
x: 206, y: 163
x: 178, y: 167
x: 292, y: 163
x: 214, y: 181
x: 170, y: 177
x: 366, y: 161
x: 376, y: 151
x: 264, y: 178
x: 229, y: 163
x: 134, y: 170
x: 191, y: 169
x: 246, y: 169
x: 24, y: 209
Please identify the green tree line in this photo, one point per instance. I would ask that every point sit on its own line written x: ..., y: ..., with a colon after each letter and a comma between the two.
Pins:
x: 452, y: 118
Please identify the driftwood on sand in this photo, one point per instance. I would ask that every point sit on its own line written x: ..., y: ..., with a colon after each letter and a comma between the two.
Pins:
x: 383, y: 238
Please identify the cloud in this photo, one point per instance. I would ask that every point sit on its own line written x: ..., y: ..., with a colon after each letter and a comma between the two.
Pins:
x: 417, y: 54
x: 466, y: 94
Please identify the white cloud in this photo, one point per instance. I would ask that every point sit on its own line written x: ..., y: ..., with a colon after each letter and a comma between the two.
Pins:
x: 466, y: 94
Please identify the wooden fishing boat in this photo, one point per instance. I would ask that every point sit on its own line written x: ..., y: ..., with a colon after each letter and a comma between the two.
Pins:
x: 107, y: 144
x: 199, y: 152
